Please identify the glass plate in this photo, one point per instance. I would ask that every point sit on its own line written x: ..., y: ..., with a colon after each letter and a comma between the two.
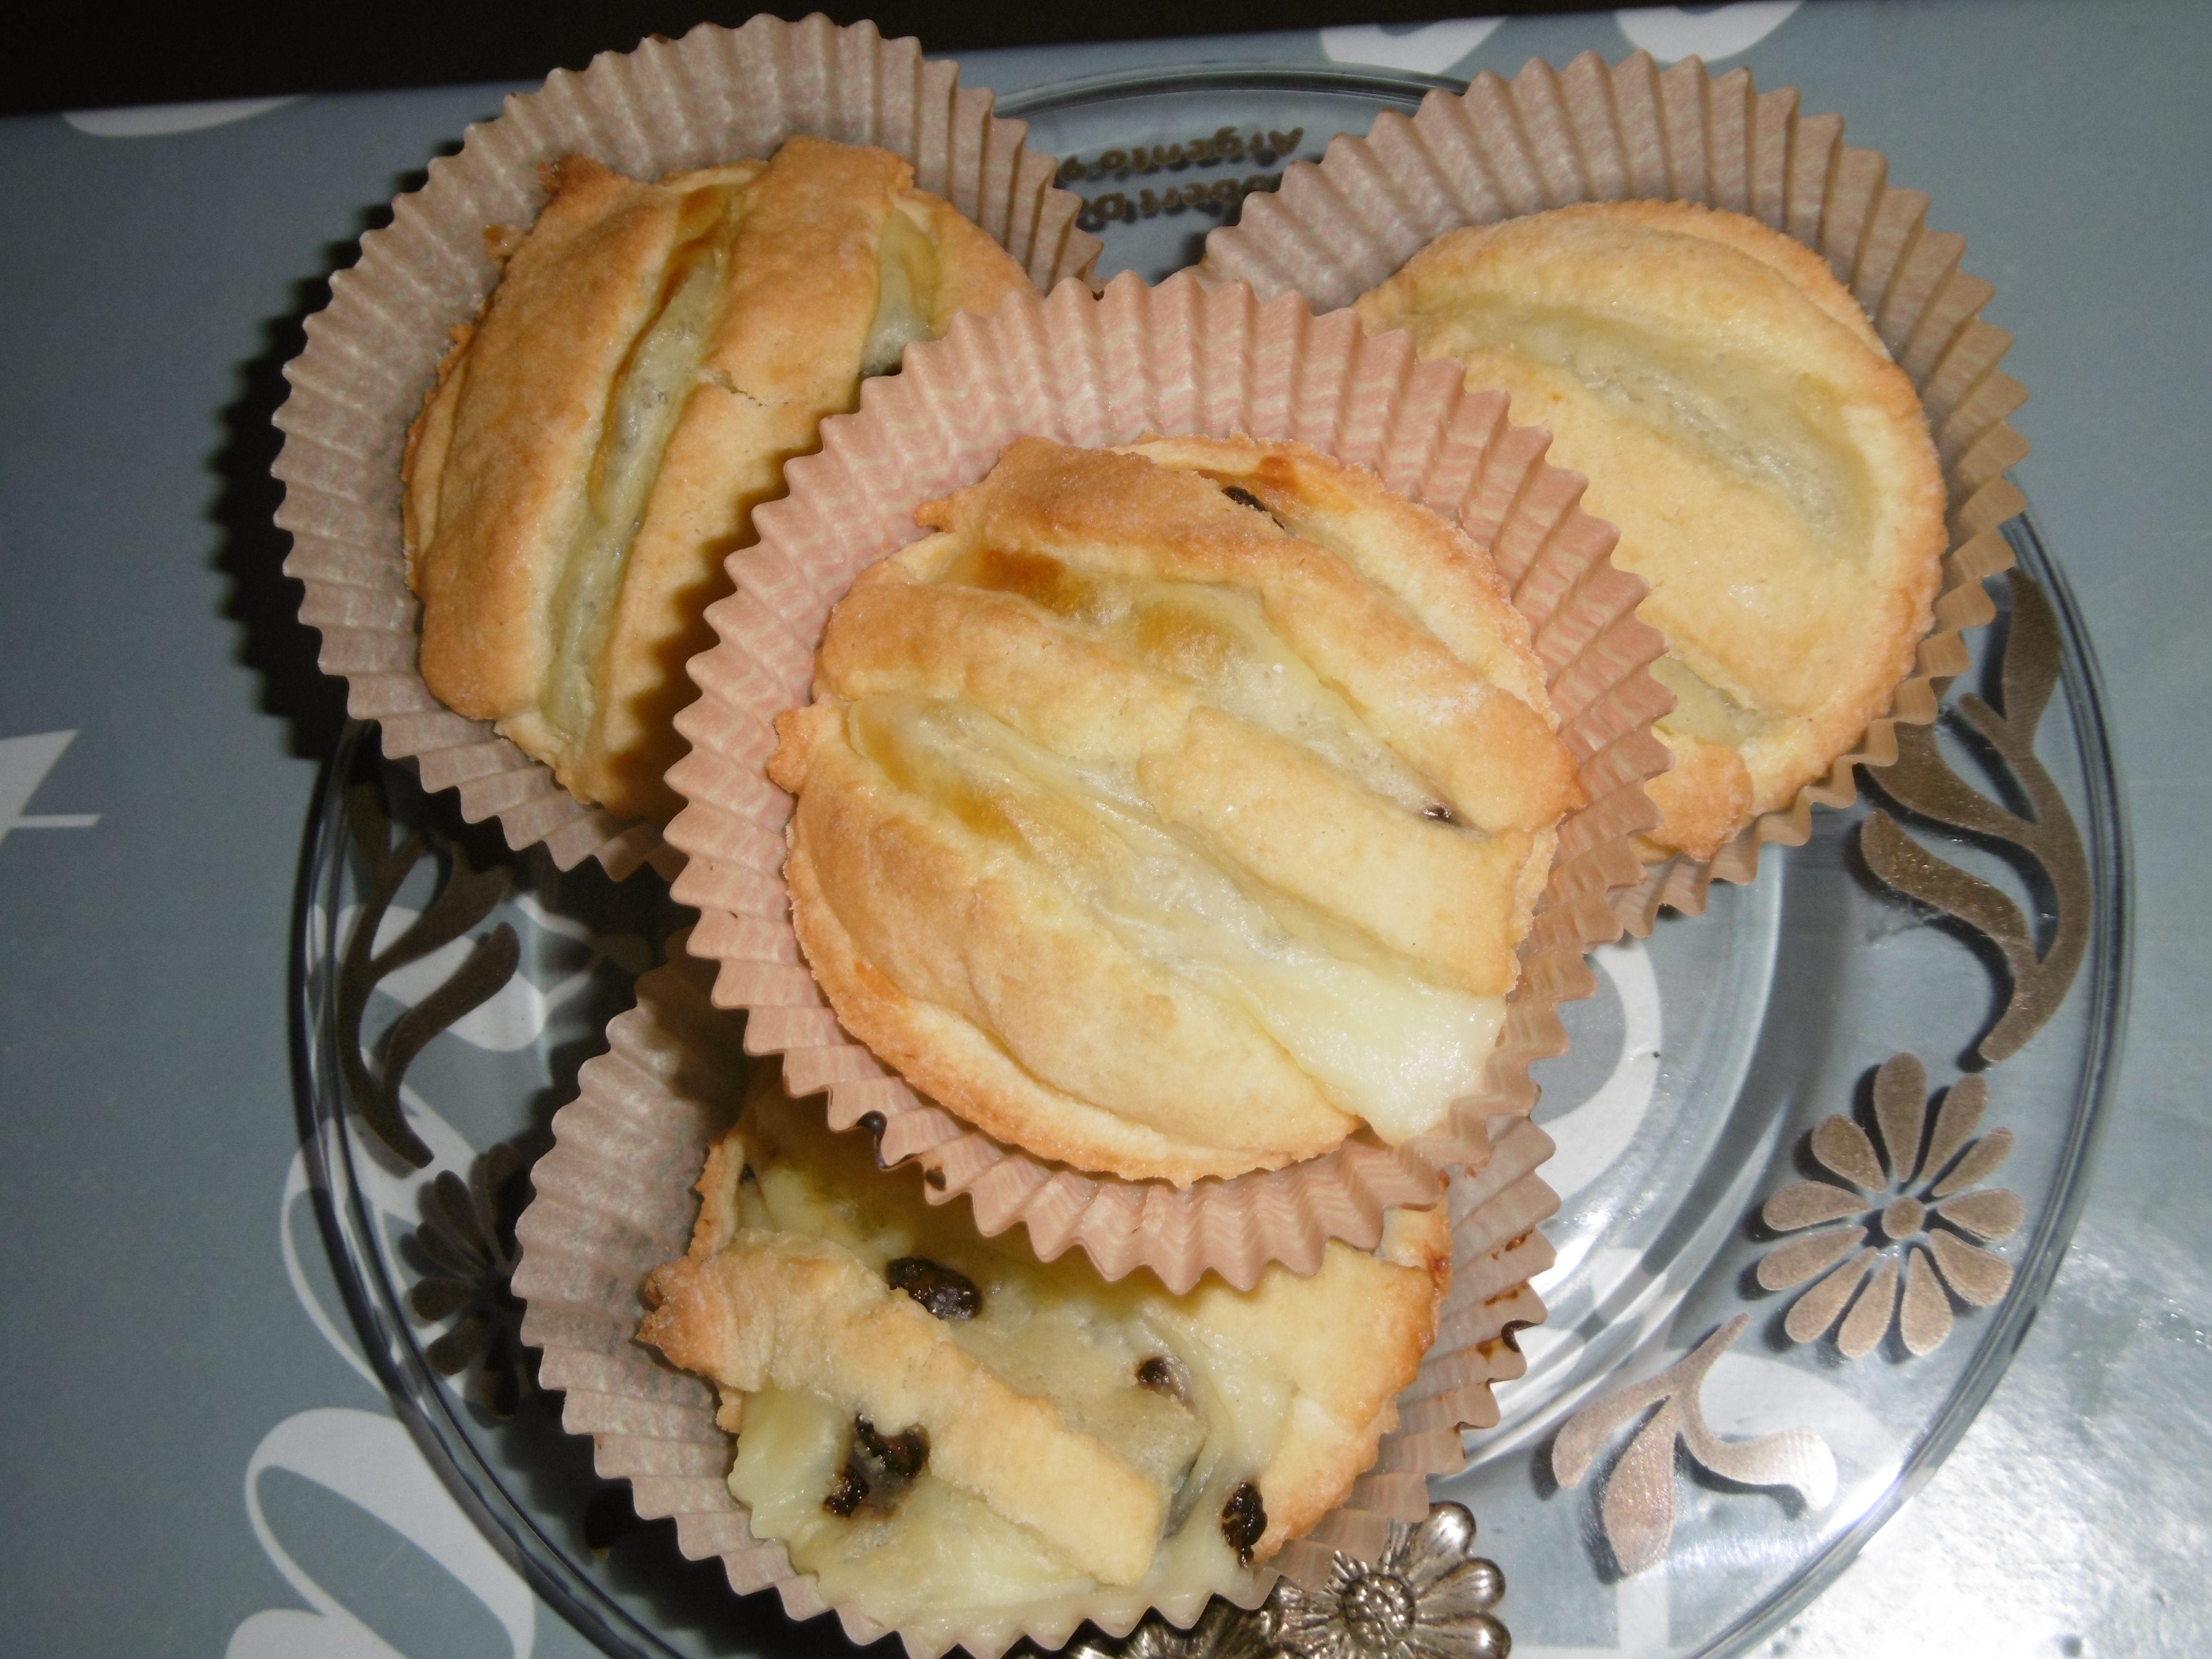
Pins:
x: 1696, y: 1076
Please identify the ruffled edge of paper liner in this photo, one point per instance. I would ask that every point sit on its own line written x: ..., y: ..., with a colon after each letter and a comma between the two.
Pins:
x: 371, y: 354
x: 1096, y: 370
x: 614, y: 1199
x: 1593, y: 132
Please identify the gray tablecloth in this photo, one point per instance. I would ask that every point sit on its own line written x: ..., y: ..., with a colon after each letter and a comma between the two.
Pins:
x: 161, y: 724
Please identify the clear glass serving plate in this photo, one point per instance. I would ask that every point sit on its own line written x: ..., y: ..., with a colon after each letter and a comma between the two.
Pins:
x: 1696, y: 1078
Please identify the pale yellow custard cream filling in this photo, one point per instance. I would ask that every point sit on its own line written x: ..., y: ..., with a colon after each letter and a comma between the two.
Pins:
x: 649, y: 399
x: 910, y: 274
x: 667, y: 361
x: 1176, y: 812
x: 947, y: 1432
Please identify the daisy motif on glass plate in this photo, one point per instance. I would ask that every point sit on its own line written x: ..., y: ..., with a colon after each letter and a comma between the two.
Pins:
x: 1430, y: 1596
x: 1917, y: 1203
x: 468, y: 1235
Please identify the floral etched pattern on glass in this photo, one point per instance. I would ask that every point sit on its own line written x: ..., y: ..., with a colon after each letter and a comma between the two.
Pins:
x: 1915, y: 1209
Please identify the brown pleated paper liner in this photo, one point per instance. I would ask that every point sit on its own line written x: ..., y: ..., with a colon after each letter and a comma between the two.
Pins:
x: 614, y: 1200
x: 1550, y: 138
x: 371, y: 354
x: 1096, y: 370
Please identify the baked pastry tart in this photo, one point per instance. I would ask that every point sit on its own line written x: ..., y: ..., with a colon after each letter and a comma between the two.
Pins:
x: 1768, y: 466
x: 1176, y: 810
x: 939, y: 1426
x: 598, y: 441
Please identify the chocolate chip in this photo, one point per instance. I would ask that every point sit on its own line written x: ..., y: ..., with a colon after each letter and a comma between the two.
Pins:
x: 1243, y: 1521
x: 934, y: 1177
x: 1244, y: 498
x: 940, y: 1290
x: 901, y: 1454
x: 877, y: 1469
x: 1162, y: 1375
x: 1441, y: 814
x: 847, y: 1493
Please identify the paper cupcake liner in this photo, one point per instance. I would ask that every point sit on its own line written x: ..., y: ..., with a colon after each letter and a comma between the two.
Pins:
x: 1091, y: 370
x: 371, y: 354
x: 1550, y: 138
x: 614, y: 1200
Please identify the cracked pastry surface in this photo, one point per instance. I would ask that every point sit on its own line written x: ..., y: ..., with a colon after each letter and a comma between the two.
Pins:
x: 1176, y: 811
x: 597, y: 443
x: 1769, y: 469
x: 939, y: 1425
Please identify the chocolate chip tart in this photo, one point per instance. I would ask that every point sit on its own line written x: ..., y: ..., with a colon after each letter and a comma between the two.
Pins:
x: 944, y: 1431
x: 1079, y: 373
x: 1593, y: 133
x: 875, y: 1412
x: 717, y: 99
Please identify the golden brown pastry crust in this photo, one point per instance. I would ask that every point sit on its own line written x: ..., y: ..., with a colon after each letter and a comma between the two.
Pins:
x: 792, y: 1312
x: 1049, y: 960
x: 1071, y: 601
x: 752, y: 1306
x: 503, y: 465
x: 1768, y: 467
x: 501, y: 453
